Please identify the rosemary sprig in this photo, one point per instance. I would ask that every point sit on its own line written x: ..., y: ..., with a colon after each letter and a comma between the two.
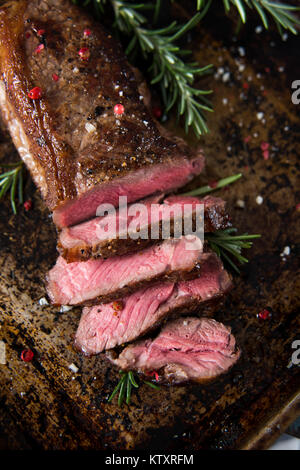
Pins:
x: 281, y: 13
x: 124, y: 387
x: 208, y: 189
x: 226, y: 245
x: 12, y: 180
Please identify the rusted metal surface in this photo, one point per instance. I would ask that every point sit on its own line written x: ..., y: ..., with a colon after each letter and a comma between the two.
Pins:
x: 55, y: 408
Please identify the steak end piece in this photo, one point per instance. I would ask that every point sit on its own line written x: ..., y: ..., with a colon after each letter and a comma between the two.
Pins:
x: 109, y: 325
x: 196, y: 349
x: 79, y: 151
x: 132, y: 230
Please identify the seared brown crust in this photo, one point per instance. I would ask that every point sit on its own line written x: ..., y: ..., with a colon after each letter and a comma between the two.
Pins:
x: 65, y: 159
x: 105, y: 249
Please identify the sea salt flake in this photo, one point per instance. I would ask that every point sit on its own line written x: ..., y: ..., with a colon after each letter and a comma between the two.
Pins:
x: 286, y: 251
x: 73, y: 368
x: 43, y: 301
x: 90, y: 127
x: 240, y: 203
x: 260, y: 116
x: 65, y: 308
x: 226, y: 77
x: 2, y: 353
x: 259, y: 200
x: 242, y: 51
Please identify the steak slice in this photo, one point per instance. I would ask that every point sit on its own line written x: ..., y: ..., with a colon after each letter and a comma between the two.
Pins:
x: 108, y: 325
x: 196, y: 349
x: 97, y: 281
x: 130, y: 230
x: 80, y: 152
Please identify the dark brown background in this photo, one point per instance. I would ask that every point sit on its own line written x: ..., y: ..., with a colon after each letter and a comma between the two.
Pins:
x: 43, y: 404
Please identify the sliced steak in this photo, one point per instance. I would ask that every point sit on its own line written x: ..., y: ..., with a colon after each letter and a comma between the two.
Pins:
x: 80, y: 151
x: 131, y: 230
x: 95, y: 281
x: 108, y: 325
x: 189, y: 348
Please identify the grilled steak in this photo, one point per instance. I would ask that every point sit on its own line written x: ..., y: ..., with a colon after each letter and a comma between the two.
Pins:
x: 95, y: 281
x: 62, y: 76
x: 108, y: 325
x: 189, y: 348
x: 108, y: 236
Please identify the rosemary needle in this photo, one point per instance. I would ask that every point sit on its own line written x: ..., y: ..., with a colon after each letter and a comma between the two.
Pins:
x: 122, y: 389
x: 132, y: 379
x: 13, y: 180
x: 115, y: 391
x: 156, y: 387
x: 128, y: 390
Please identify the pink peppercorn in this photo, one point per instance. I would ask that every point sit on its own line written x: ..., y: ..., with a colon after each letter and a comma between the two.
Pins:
x: 35, y: 93
x: 27, y: 205
x: 119, y: 109
x: 84, y: 53
x: 27, y: 355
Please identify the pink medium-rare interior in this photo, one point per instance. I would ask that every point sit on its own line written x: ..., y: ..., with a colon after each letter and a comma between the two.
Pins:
x: 141, y: 183
x: 74, y: 283
x: 191, y: 348
x: 108, y: 325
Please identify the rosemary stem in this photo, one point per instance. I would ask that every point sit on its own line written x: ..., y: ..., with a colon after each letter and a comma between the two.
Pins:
x: 207, y: 189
